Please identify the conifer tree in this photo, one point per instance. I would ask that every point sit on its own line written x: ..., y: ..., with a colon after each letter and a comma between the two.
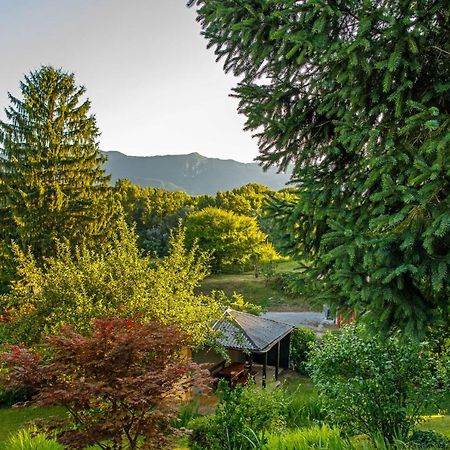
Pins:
x: 356, y: 94
x: 52, y: 184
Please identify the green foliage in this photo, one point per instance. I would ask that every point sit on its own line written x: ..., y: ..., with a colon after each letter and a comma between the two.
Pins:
x: 202, y: 430
x: 356, y: 95
x: 303, y: 411
x: 236, y: 302
x: 187, y: 413
x: 29, y: 439
x: 120, y: 384
x: 302, y: 341
x: 374, y: 385
x: 429, y: 440
x: 52, y: 184
x: 242, y: 413
x: 77, y: 287
x: 318, y: 437
x: 9, y: 397
x: 232, y: 240
x: 247, y: 200
x: 154, y: 213
x: 13, y: 420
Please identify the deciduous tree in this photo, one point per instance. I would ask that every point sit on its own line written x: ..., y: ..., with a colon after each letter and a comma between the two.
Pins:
x: 234, y: 241
x: 120, y: 384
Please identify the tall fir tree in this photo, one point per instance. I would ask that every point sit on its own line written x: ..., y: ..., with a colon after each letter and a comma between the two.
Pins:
x: 52, y: 184
x: 356, y: 94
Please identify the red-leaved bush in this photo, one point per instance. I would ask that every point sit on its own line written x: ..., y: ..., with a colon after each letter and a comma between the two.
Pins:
x: 121, y: 384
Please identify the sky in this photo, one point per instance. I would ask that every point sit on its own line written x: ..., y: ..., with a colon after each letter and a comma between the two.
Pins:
x: 155, y: 88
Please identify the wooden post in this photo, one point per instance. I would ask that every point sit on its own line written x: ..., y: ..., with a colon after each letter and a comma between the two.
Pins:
x: 264, y: 374
x: 277, y: 366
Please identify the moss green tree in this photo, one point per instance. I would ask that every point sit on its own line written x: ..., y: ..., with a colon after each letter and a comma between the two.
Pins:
x: 356, y: 94
x: 52, y: 184
x: 233, y: 241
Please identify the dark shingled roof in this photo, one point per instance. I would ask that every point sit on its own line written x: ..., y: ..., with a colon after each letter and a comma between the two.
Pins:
x: 243, y: 331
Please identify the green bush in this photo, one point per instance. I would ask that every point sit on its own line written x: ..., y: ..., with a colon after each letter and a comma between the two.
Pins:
x: 203, y: 431
x: 318, y: 437
x: 242, y: 414
x: 374, y: 385
x: 9, y: 397
x: 424, y: 440
x: 29, y: 440
x: 302, y: 341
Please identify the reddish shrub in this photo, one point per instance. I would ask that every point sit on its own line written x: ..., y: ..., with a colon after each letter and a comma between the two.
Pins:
x: 121, y: 384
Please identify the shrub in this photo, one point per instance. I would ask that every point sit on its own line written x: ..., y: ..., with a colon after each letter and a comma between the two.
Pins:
x: 241, y: 415
x: 9, y: 397
x: 121, y: 384
x: 422, y: 440
x: 318, y: 437
x: 203, y: 432
x: 374, y: 385
x: 302, y: 341
x: 76, y: 287
x: 29, y: 440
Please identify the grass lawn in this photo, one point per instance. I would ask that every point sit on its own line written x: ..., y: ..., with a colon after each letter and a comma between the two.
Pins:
x: 13, y: 419
x: 257, y: 290
x: 438, y: 423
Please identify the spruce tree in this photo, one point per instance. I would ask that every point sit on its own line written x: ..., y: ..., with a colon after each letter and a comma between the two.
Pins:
x: 52, y: 184
x: 356, y: 94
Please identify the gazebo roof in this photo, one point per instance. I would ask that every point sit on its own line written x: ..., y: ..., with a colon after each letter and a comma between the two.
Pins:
x: 243, y: 331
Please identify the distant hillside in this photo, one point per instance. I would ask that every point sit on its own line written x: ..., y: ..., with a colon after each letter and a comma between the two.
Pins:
x: 193, y: 173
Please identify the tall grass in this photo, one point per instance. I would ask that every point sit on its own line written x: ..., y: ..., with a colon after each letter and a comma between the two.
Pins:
x: 303, y: 411
x: 28, y: 440
x: 317, y: 437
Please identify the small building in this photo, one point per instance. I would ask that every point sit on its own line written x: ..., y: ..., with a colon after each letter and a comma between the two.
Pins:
x: 249, y: 339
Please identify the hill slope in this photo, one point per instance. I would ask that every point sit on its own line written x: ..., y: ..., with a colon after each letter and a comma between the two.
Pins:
x: 193, y: 173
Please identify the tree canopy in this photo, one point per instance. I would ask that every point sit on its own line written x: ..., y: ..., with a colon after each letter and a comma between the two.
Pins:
x: 52, y: 184
x: 232, y: 240
x: 356, y: 95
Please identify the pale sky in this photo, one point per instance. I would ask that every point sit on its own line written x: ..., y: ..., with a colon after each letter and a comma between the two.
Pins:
x: 155, y: 88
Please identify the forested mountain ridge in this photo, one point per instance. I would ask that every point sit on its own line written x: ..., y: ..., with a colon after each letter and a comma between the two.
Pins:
x: 192, y: 173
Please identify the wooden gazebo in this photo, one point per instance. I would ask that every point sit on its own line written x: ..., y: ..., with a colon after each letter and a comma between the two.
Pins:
x: 256, y: 339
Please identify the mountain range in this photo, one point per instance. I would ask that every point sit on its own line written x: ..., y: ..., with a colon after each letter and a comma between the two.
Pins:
x: 192, y: 173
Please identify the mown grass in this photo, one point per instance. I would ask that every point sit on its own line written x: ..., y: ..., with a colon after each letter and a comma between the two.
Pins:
x: 258, y: 290
x: 14, y: 419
